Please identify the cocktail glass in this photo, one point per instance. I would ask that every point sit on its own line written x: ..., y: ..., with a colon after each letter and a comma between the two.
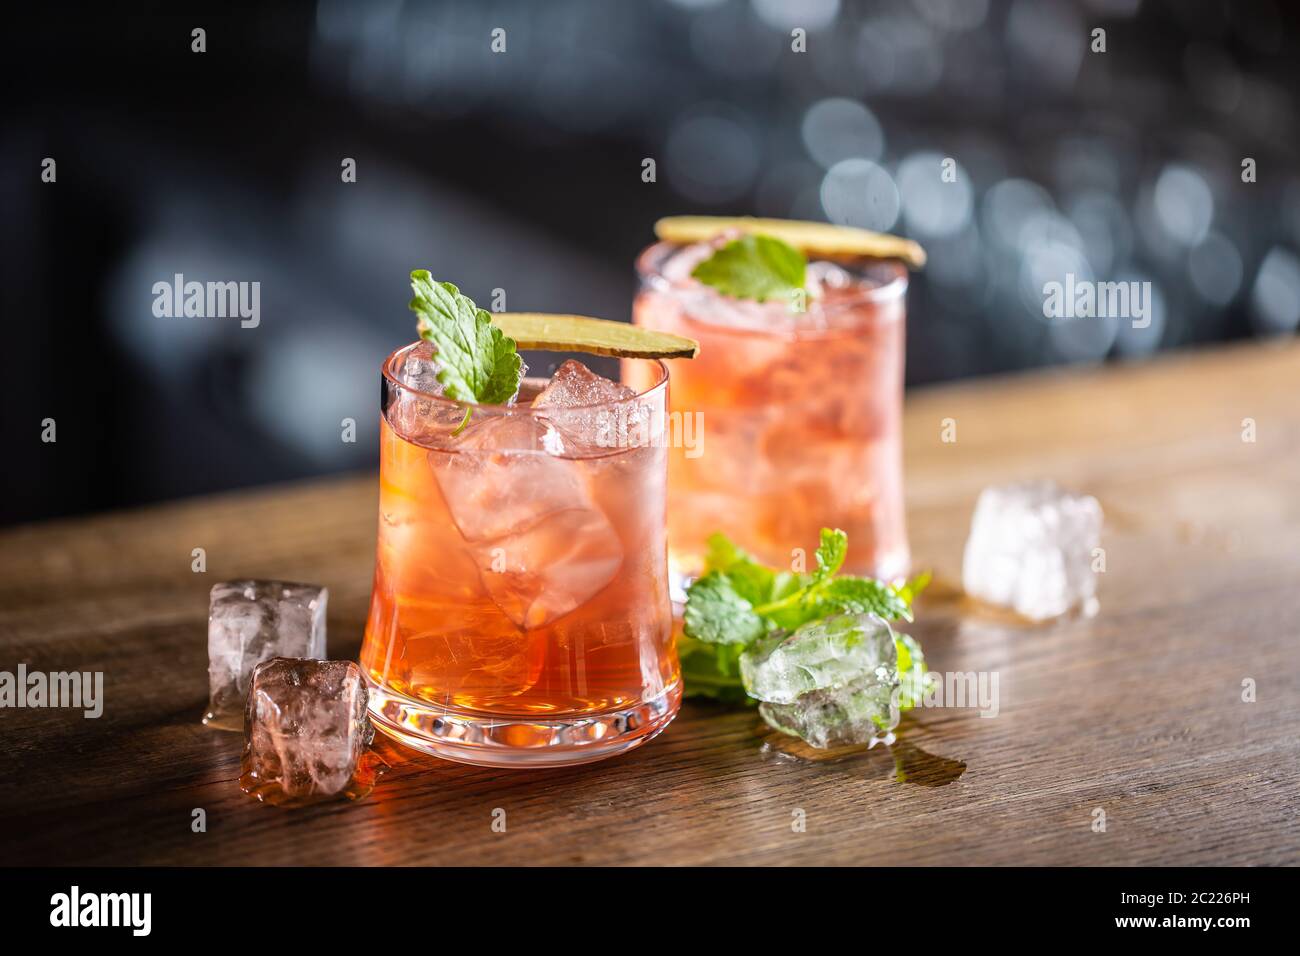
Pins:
x: 797, y: 412
x: 520, y: 612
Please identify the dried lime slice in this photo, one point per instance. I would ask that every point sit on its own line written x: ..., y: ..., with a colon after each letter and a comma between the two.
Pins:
x: 578, y: 333
x: 813, y: 238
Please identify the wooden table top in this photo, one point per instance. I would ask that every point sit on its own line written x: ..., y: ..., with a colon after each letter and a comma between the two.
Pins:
x: 1137, y: 712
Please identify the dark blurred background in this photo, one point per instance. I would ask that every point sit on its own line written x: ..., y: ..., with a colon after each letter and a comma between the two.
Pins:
x: 522, y: 171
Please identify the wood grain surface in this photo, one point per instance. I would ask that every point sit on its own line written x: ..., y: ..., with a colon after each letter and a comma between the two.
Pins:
x: 1137, y: 712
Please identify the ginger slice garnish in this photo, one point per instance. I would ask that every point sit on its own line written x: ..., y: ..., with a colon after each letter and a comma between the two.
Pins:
x: 812, y: 238
x: 579, y: 333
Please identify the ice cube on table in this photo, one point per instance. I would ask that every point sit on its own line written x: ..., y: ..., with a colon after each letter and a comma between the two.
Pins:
x: 822, y: 655
x: 1031, y: 548
x: 250, y: 622
x: 864, y: 711
x: 831, y: 682
x: 306, y: 732
x: 591, y: 412
x: 541, y: 543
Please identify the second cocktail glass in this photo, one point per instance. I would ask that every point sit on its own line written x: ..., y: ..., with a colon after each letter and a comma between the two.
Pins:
x: 800, y: 411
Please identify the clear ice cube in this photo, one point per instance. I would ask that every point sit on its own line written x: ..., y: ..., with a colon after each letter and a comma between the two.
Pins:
x: 1031, y: 549
x: 592, y: 413
x: 306, y: 731
x: 823, y: 276
x: 541, y: 543
x: 420, y: 372
x: 499, y: 476
x: 253, y: 621
x: 574, y: 384
x: 538, y: 575
x: 864, y: 711
x: 777, y: 314
x: 824, y: 655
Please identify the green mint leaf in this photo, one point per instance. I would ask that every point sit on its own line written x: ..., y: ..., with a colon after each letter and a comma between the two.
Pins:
x: 722, y: 553
x: 748, y: 578
x: 755, y: 267
x: 912, y: 588
x: 477, y: 362
x: 849, y: 595
x: 913, y: 678
x: 751, y: 580
x: 739, y: 609
x: 823, y: 594
x: 830, y: 553
x: 843, y: 595
x: 712, y: 670
x: 717, y: 614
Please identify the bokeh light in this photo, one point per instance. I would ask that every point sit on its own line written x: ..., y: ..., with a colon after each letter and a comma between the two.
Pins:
x: 1214, y: 269
x: 1275, y: 297
x: 858, y: 192
x: 932, y: 205
x: 1184, y: 204
x: 837, y: 129
x: 712, y: 156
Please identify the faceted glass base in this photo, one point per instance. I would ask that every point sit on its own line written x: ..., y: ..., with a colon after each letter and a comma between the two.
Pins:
x: 491, y: 740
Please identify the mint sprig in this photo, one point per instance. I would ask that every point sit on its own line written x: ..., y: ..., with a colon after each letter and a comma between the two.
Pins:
x: 717, y: 613
x: 738, y: 602
x: 755, y: 267
x: 712, y: 670
x: 477, y: 362
x: 911, y: 670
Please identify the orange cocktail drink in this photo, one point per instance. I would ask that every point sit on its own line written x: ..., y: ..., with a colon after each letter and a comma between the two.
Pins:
x: 520, y: 611
x: 799, y: 410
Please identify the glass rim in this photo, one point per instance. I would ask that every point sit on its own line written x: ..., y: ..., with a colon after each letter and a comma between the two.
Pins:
x: 649, y: 262
x: 390, y: 376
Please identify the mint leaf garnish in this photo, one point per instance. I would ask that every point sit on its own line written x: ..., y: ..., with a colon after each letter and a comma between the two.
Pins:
x: 911, y: 671
x: 749, y: 579
x: 822, y: 593
x: 712, y: 670
x: 477, y: 362
x: 815, y: 648
x: 717, y: 614
x: 722, y: 553
x: 830, y: 553
x: 739, y: 600
x: 755, y: 267
x: 739, y: 611
x: 912, y: 588
x: 843, y: 595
